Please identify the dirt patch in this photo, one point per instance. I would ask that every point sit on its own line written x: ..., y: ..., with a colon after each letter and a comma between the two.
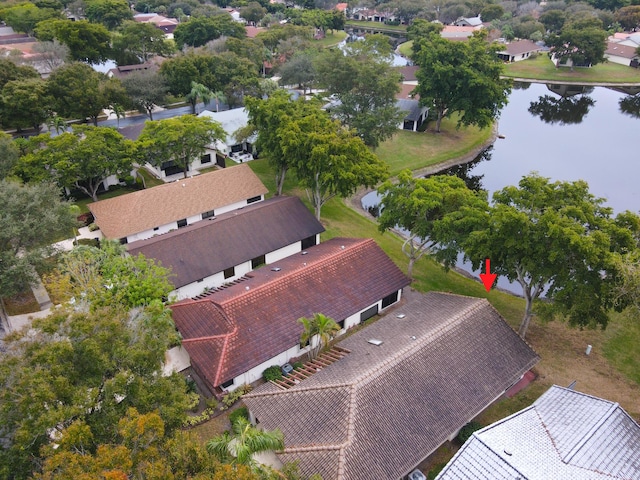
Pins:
x: 21, y: 303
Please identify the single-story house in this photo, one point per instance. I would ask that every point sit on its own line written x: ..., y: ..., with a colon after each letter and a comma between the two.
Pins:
x: 415, y: 116
x: 372, y: 15
x: 564, y: 435
x: 232, y: 121
x: 631, y: 39
x: 158, y: 210
x: 519, y: 50
x: 622, y: 54
x: 468, y: 22
x: 167, y: 25
x: 234, y: 333
x: 453, y: 32
x: 405, y: 384
x: 223, y: 248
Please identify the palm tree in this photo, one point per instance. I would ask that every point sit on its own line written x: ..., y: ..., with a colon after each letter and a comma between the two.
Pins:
x: 325, y: 328
x: 246, y: 440
x: 57, y: 123
x: 119, y: 112
x: 198, y: 91
x: 218, y: 97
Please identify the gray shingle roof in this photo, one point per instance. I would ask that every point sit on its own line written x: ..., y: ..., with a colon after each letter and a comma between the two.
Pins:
x: 385, y: 408
x: 211, y: 246
x: 565, y: 435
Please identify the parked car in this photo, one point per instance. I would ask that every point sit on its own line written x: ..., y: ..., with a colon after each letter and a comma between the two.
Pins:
x: 416, y: 475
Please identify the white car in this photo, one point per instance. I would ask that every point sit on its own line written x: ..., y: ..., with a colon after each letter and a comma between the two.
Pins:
x: 416, y: 475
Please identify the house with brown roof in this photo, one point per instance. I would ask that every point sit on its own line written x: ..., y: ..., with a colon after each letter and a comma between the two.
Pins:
x: 403, y: 386
x: 158, y: 210
x: 223, y: 248
x: 233, y: 333
x: 519, y: 50
x: 622, y: 54
x: 565, y: 434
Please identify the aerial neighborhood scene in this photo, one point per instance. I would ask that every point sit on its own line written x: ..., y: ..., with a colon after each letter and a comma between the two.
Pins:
x: 307, y: 240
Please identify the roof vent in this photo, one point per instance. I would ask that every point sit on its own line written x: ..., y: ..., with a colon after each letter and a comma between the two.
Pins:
x: 412, y: 337
x: 375, y: 341
x: 400, y: 315
x: 184, y: 185
x: 342, y: 247
x: 508, y: 452
x: 247, y: 288
x: 276, y: 269
x: 304, y: 253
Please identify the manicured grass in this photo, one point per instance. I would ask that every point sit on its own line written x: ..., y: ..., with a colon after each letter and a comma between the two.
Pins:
x: 149, y: 179
x: 621, y: 345
x: 331, y: 39
x: 376, y: 25
x: 415, y: 150
x: 542, y: 68
x: 113, y: 192
x: 405, y: 48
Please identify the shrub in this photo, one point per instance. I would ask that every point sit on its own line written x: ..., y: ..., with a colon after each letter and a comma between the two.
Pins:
x: 272, y: 373
x: 241, y: 412
x: 466, y: 431
x: 232, y: 397
x: 93, y: 227
x: 191, y: 385
x: 297, y: 365
x: 194, y: 401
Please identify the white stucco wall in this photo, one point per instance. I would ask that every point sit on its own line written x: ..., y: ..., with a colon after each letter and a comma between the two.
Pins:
x: 212, y: 281
x: 619, y: 60
x: 161, y: 229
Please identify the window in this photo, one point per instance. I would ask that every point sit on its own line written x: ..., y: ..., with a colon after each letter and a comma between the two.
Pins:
x: 200, y: 280
x: 254, y: 199
x: 341, y: 325
x: 124, y: 241
x: 205, y: 158
x: 308, y: 242
x: 182, y: 223
x: 368, y: 313
x: 229, y: 272
x: 155, y: 229
x: 256, y: 262
x: 227, y: 384
x: 390, y: 299
x: 208, y: 214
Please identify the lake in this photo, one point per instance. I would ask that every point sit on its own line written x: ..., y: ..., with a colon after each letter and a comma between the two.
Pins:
x: 573, y: 134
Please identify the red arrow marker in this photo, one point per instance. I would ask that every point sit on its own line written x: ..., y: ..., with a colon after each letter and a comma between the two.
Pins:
x: 488, y: 278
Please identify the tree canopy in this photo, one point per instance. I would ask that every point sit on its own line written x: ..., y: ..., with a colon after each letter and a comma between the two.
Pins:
x: 146, y: 89
x: 33, y: 217
x: 200, y: 30
x: 556, y: 239
x: 365, y: 85
x: 579, y: 45
x: 438, y: 212
x: 82, y: 159
x: 88, y: 42
x: 461, y: 77
x: 179, y: 139
x: 137, y: 42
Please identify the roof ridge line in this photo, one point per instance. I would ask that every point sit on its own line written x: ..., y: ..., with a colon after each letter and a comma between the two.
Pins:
x: 587, y: 436
x: 298, y: 390
x: 314, y: 448
x: 350, y: 429
x: 503, y: 460
x: 378, y: 369
x: 222, y: 354
x: 289, y: 274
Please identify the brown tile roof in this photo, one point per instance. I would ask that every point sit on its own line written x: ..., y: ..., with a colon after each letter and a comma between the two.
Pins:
x: 408, y: 73
x: 135, y: 212
x: 624, y: 51
x: 213, y: 245
x: 339, y: 278
x: 380, y: 410
x: 520, y: 47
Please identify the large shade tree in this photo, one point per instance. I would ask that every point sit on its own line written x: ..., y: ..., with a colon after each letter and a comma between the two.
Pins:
x: 138, y: 42
x: 179, y: 139
x: 363, y: 81
x: 33, y: 217
x: 460, y: 77
x: 146, y: 90
x: 555, y: 239
x: 579, y: 45
x: 88, y: 42
x: 329, y: 160
x: 24, y: 103
x: 437, y: 214
x: 81, y: 159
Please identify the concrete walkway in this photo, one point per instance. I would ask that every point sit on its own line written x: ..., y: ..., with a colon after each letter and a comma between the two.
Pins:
x: 83, y: 232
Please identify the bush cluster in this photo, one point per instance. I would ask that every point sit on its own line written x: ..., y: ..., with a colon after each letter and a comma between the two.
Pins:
x: 241, y: 412
x: 465, y: 432
x: 232, y: 397
x: 272, y: 373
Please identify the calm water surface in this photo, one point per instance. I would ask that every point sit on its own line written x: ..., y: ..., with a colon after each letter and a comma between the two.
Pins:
x: 582, y: 135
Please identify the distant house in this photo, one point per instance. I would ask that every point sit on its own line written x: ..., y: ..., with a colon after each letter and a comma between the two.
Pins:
x: 468, y: 22
x: 342, y: 7
x: 231, y: 121
x: 225, y: 247
x: 622, y: 54
x: 519, y: 50
x: 160, y: 209
x: 234, y: 333
x: 415, y: 114
x: 403, y: 386
x: 453, y: 32
x: 167, y: 25
x: 565, y: 435
x: 122, y: 71
x: 373, y: 15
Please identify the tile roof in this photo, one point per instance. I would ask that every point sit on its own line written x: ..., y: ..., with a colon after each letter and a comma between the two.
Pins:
x: 136, y: 212
x: 339, y: 278
x: 564, y: 434
x: 520, y: 47
x: 624, y: 51
x: 213, y: 245
x: 380, y: 410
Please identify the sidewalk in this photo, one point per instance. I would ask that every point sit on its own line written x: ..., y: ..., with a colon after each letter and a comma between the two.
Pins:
x: 84, y: 232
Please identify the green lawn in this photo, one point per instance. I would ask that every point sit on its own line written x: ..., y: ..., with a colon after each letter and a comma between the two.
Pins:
x: 415, y: 150
x: 621, y: 345
x: 331, y: 39
x: 542, y: 68
x: 376, y: 25
x: 113, y: 192
x: 405, y: 48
